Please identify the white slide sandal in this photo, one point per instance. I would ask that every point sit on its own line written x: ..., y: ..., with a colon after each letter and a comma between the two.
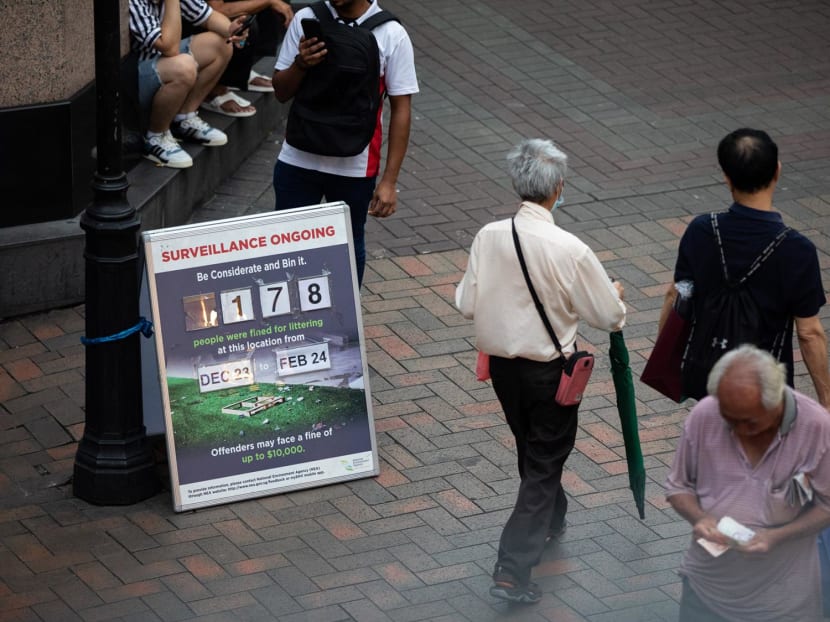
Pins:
x: 215, y: 105
x: 259, y: 87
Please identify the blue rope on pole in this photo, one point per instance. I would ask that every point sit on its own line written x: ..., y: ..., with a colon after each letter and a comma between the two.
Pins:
x: 144, y: 325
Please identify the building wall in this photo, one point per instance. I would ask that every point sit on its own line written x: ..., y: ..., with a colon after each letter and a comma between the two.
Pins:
x: 48, y: 49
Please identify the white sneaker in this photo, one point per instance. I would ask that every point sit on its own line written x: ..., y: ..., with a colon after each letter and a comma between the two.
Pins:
x: 164, y: 150
x: 198, y: 131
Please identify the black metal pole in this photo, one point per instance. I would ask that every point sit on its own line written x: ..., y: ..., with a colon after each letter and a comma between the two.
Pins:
x: 114, y: 463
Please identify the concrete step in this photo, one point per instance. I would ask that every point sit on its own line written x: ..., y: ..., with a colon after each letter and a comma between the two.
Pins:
x: 43, y: 264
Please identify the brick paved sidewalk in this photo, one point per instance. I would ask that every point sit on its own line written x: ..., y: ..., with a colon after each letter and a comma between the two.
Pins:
x: 418, y: 542
x: 638, y: 93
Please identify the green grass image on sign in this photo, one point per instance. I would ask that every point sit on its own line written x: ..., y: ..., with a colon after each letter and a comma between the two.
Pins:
x: 198, y: 419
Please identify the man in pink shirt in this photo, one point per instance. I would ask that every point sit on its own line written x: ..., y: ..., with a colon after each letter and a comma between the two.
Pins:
x: 741, y: 449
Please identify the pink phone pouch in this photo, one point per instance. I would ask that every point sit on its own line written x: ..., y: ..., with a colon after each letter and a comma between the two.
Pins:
x: 575, y: 376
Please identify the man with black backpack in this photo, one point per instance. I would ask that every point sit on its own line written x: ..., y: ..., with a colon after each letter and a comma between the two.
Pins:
x: 338, y: 60
x: 754, y: 279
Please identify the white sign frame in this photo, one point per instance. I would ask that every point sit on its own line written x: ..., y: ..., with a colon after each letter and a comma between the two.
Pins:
x: 310, y: 426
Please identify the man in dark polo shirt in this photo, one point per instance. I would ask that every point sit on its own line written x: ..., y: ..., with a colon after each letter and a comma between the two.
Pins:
x: 787, y: 287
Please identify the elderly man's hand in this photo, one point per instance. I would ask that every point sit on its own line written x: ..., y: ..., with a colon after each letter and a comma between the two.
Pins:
x: 707, y: 528
x: 763, y: 542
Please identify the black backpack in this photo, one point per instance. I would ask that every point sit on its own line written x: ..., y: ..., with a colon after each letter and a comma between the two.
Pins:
x: 727, y: 318
x: 335, y: 111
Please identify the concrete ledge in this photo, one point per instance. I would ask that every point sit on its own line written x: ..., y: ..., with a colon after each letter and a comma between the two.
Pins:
x: 43, y: 264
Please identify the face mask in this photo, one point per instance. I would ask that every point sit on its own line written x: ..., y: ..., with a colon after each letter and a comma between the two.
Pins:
x: 559, y: 201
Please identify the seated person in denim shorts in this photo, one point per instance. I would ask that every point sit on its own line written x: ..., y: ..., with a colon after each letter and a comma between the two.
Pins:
x: 175, y: 74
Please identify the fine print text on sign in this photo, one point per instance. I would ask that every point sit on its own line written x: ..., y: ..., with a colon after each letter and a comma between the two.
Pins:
x: 261, y: 356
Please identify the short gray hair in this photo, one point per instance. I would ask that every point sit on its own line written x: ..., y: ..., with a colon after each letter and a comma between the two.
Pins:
x: 772, y: 375
x: 536, y: 167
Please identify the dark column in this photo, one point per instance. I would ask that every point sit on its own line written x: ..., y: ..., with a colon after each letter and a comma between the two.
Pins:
x: 114, y: 463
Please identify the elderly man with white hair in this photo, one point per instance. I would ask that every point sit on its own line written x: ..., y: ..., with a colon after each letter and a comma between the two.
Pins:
x: 745, y: 452
x: 525, y: 365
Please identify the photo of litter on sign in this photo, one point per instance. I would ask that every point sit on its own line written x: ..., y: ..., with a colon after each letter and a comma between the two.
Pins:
x: 261, y: 355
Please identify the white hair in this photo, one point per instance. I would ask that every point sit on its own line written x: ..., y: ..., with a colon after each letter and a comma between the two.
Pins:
x: 536, y: 167
x: 772, y: 375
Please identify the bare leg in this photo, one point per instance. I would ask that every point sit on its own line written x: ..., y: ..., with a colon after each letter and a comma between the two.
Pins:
x: 178, y: 75
x: 212, y: 55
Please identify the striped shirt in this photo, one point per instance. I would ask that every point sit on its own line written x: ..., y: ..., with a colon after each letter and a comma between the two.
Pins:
x: 145, y: 22
x: 784, y: 584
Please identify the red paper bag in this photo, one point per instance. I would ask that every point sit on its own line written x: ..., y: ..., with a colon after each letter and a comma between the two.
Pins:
x: 662, y: 371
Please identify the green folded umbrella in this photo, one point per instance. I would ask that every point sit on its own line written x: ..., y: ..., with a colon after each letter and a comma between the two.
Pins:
x: 627, y: 407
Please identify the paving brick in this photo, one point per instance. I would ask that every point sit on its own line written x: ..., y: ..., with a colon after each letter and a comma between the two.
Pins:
x: 186, y: 534
x: 437, y: 592
x: 400, y: 458
x: 257, y: 564
x: 9, y: 387
x: 169, y: 552
x: 304, y: 511
x: 293, y: 581
x: 139, y: 589
x: 238, y: 532
x: 237, y: 585
x: 96, y: 576
x: 225, y: 603
x: 370, y: 492
x: 456, y: 503
x: 276, y: 600
x: 416, y: 378
x: 50, y: 611
x: 32, y: 400
x: 168, y: 607
x: 203, y: 568
x: 23, y: 369
x: 405, y: 506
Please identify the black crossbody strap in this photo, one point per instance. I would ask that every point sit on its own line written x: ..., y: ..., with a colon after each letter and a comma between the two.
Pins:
x: 379, y: 18
x: 770, y: 248
x: 321, y: 12
x: 539, y: 307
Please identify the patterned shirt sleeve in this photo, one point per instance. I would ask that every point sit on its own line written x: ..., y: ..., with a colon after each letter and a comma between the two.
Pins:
x: 145, y: 25
x: 195, y: 11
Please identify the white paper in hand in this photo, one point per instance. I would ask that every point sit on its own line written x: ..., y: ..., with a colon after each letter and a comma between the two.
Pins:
x: 733, y: 530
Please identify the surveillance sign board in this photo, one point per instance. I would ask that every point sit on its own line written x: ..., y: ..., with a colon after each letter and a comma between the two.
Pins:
x: 261, y: 355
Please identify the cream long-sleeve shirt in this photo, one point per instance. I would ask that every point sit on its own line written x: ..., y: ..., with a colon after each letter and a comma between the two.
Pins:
x: 569, y: 280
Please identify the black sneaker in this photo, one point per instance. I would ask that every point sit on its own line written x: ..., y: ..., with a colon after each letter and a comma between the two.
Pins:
x: 507, y: 588
x: 556, y: 532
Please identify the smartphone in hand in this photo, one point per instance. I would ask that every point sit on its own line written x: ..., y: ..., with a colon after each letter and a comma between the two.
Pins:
x: 311, y: 29
x: 245, y: 25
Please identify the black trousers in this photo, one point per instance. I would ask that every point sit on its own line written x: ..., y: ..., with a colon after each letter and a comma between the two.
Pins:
x: 692, y: 608
x: 264, y: 36
x: 545, y: 434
